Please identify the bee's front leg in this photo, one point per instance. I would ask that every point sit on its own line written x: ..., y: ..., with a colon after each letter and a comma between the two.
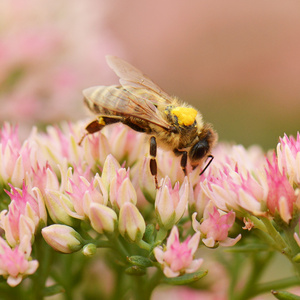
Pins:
x: 153, y: 163
x: 183, y: 162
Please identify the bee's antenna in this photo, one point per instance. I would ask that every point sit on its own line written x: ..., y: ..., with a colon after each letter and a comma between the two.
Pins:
x: 207, y: 165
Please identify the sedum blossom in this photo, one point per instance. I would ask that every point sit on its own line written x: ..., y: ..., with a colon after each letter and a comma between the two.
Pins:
x: 171, y: 203
x: 15, y: 158
x: 84, y: 193
x: 62, y: 238
x: 103, y: 219
x: 121, y: 189
x: 131, y: 223
x: 231, y: 190
x: 24, y: 215
x: 215, y: 227
x: 281, y: 196
x: 178, y: 258
x: 16, y: 263
x: 288, y: 153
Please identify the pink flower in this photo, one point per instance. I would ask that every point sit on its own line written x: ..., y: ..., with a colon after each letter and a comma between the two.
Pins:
x: 170, y: 204
x: 249, y: 160
x: 288, y: 153
x: 85, y: 192
x: 281, y: 195
x: 15, y: 159
x: 214, y: 229
x: 121, y: 189
x: 178, y: 258
x: 42, y: 178
x: 16, y: 263
x: 132, y: 225
x: 125, y: 143
x: 198, y: 198
x: 230, y: 189
x: 110, y: 168
x: 62, y: 238
x: 25, y: 214
x: 95, y: 148
x: 103, y: 219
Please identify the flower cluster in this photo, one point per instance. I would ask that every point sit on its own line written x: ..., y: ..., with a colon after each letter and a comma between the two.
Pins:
x: 101, y: 194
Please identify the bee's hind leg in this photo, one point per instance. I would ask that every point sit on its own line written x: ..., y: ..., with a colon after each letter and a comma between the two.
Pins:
x: 98, y: 124
x: 153, y: 163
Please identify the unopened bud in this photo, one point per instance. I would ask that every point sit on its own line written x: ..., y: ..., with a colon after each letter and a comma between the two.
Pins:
x: 62, y: 238
x: 131, y: 223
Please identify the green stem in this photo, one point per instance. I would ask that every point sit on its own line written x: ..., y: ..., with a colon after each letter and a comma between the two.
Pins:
x: 275, y: 235
x: 44, y: 254
x: 275, y: 285
x: 142, y: 244
x: 259, y: 263
x: 120, y: 247
x: 161, y: 235
x: 293, y: 246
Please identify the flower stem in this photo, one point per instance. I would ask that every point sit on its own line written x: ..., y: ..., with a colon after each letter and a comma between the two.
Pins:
x: 161, y: 235
x: 142, y: 244
x: 276, y: 236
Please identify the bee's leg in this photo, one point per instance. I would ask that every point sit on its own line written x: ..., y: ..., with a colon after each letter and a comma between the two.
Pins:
x: 136, y: 125
x: 153, y: 163
x: 98, y: 124
x: 183, y: 162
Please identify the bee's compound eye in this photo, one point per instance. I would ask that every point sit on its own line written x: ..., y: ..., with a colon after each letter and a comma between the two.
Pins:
x: 199, y: 150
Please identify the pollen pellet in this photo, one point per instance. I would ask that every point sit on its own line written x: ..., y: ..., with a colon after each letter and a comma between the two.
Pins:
x: 186, y: 115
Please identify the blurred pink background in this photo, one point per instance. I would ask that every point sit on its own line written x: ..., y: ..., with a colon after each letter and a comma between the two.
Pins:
x: 237, y: 62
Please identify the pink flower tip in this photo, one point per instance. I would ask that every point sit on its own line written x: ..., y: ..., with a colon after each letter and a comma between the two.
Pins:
x: 215, y: 227
x: 178, y: 258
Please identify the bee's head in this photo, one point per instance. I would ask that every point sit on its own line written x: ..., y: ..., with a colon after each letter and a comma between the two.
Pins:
x: 201, y: 149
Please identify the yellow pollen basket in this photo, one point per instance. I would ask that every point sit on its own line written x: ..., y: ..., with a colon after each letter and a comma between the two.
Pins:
x: 186, y: 115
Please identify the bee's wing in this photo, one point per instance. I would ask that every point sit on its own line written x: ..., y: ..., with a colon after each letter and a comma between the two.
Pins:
x: 123, y: 103
x: 131, y: 76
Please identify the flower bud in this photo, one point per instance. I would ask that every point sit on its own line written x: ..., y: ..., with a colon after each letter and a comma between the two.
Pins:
x: 57, y: 205
x: 89, y: 250
x: 103, y: 219
x: 121, y: 189
x: 131, y: 223
x: 170, y: 204
x: 110, y: 168
x: 62, y: 238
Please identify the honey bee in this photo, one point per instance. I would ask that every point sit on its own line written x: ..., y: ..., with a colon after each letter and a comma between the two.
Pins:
x: 143, y: 106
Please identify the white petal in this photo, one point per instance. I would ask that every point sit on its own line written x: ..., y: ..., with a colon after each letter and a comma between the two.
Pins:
x: 228, y: 242
x: 159, y: 254
x: 169, y: 273
x: 13, y: 281
x: 210, y: 242
x: 194, y: 266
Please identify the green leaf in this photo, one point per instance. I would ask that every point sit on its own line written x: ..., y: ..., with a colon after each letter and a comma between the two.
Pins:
x: 140, y: 261
x: 149, y: 233
x: 282, y: 295
x: 186, y: 278
x: 53, y: 290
